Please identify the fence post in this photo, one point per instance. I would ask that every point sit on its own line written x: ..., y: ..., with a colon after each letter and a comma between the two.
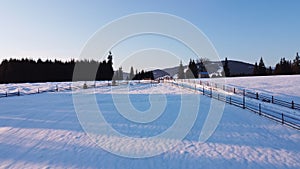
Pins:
x: 38, y: 90
x: 244, y: 106
x: 282, y: 118
x: 293, y: 105
x: 56, y: 88
x: 203, y: 90
x: 272, y: 99
x: 259, y: 106
x: 230, y: 100
x: 6, y: 94
x: 18, y: 92
x: 234, y: 90
x: 257, y: 95
x: 224, y: 87
x: 211, y: 92
x: 200, y: 82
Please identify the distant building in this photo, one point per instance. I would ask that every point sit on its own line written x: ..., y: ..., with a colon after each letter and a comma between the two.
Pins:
x: 203, y: 75
x: 202, y: 71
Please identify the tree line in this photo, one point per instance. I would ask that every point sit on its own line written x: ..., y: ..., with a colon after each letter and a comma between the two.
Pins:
x: 283, y: 67
x: 29, y: 70
x: 144, y: 75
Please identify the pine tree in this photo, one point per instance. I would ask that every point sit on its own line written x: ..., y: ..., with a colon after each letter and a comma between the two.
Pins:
x: 116, y: 76
x: 108, y: 69
x: 120, y: 74
x: 189, y: 74
x: 270, y: 71
x: 296, y: 64
x: 131, y: 74
x: 278, y: 67
x: 255, y: 69
x: 109, y: 58
x: 226, y: 68
x: 262, y: 68
x: 193, y: 67
x: 284, y: 67
x: 180, y: 71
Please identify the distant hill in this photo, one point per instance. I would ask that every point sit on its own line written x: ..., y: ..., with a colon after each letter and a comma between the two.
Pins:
x: 157, y: 73
x: 236, y: 68
x: 172, y: 71
x: 240, y: 68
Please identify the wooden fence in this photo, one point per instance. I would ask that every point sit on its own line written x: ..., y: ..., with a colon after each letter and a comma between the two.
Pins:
x: 57, y: 88
x: 241, y: 99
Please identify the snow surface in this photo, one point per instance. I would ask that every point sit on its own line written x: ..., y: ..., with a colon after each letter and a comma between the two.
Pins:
x: 43, y: 131
x: 282, y: 87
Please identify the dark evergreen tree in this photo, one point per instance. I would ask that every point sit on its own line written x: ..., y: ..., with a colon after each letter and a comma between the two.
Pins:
x: 131, y: 74
x: 226, y: 68
x: 255, y: 69
x: 120, y: 74
x: 194, y: 69
x: 261, y: 68
x: 296, y: 64
x: 109, y: 71
x: 181, y: 71
x: 284, y: 67
x: 270, y: 71
x: 109, y: 58
x: 116, y: 76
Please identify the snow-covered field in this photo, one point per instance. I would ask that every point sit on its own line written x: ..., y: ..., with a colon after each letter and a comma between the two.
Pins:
x: 43, y: 131
x: 282, y: 87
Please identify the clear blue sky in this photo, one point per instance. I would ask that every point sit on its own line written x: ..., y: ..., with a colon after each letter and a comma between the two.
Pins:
x: 239, y: 29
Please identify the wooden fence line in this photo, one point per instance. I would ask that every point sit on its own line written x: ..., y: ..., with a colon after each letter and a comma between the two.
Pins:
x: 56, y: 87
x: 280, y: 117
x: 207, y: 90
x: 248, y: 93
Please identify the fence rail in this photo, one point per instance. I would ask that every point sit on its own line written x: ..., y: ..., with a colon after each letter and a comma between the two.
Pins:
x: 239, y: 99
x: 248, y: 93
x: 54, y: 88
x: 57, y: 87
x: 207, y: 89
x: 273, y: 100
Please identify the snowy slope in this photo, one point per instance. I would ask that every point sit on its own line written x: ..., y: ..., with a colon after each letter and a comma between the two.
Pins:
x: 42, y: 131
x: 283, y: 87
